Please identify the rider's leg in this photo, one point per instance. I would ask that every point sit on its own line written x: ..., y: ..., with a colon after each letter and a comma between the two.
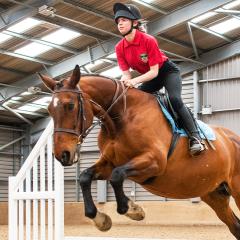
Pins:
x: 173, y: 84
x: 169, y: 77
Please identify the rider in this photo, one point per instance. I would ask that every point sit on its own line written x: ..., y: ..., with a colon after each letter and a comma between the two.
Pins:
x: 140, y: 51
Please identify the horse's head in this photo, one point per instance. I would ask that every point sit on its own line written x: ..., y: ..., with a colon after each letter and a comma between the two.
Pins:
x: 72, y: 115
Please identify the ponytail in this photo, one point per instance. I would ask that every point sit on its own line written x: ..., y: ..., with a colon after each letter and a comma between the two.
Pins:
x: 142, y: 25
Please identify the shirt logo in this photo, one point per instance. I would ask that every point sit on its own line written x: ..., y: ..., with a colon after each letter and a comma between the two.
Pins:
x: 144, y: 57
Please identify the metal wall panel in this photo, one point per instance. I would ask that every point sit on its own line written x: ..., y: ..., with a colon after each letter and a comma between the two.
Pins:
x: 9, y: 162
x: 87, y: 160
x: 226, y: 119
x: 143, y: 195
x: 187, y: 90
x: 221, y: 91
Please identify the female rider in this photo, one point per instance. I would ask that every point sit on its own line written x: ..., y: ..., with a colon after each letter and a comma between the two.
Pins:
x: 140, y: 51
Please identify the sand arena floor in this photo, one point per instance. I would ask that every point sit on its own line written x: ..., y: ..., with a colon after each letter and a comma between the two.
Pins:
x: 217, y: 232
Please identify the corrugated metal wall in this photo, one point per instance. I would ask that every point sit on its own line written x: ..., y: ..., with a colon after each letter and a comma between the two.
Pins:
x: 9, y: 160
x: 221, y: 91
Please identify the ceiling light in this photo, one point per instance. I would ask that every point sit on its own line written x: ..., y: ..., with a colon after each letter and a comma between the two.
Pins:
x: 29, y: 108
x: 61, y: 36
x: 203, y: 17
x: 33, y: 49
x: 4, y: 37
x: 44, y: 100
x: 226, y: 26
x: 24, y: 25
x: 16, y: 98
x: 26, y: 94
x: 232, y: 4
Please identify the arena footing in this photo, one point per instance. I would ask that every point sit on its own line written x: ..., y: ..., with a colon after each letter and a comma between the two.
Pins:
x: 115, y: 238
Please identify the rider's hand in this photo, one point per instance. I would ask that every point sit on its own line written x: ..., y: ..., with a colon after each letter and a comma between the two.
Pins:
x: 129, y: 82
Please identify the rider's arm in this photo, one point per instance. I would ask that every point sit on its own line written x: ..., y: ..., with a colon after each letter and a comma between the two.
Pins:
x: 151, y: 74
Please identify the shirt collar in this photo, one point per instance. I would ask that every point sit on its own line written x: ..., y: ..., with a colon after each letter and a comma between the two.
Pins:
x: 136, y: 40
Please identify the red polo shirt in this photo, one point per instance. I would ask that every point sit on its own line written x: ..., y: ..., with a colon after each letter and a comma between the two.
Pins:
x: 140, y: 54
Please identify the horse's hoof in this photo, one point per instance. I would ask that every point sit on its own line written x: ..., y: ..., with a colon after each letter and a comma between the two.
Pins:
x: 135, y: 212
x: 102, y: 221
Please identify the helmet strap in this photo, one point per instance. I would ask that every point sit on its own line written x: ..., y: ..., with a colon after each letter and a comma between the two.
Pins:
x: 131, y: 29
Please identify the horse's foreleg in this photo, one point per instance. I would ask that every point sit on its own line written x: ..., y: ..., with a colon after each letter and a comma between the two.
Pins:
x: 141, y: 166
x: 220, y: 204
x: 102, y: 221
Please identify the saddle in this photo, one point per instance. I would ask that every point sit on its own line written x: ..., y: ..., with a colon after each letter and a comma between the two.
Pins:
x: 177, y: 127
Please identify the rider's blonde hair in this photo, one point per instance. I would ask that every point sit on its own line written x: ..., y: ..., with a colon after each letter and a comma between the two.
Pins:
x: 142, y: 25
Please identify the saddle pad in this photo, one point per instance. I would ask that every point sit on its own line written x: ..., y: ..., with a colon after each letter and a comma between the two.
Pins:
x: 202, y: 127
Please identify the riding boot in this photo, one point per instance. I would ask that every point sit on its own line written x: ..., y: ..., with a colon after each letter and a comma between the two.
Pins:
x: 196, y: 144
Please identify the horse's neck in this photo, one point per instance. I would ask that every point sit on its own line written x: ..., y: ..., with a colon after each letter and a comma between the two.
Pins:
x: 101, y: 91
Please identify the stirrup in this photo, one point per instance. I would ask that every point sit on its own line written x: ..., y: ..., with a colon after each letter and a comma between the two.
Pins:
x: 199, y: 146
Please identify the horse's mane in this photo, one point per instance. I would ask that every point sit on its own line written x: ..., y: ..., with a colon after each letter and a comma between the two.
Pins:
x: 97, y: 75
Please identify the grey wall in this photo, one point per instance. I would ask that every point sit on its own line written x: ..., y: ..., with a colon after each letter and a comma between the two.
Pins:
x: 222, y: 93
x: 9, y: 160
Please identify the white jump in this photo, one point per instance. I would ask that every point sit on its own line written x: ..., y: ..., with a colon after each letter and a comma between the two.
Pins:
x: 40, y: 182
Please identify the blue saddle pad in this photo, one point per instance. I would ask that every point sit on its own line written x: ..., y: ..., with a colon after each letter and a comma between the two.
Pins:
x: 202, y: 127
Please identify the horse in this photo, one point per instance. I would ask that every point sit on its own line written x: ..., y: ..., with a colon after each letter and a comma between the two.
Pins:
x: 134, y: 141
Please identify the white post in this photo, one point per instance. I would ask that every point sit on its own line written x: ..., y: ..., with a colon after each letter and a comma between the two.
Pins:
x: 39, y: 193
x: 59, y: 202
x: 12, y: 211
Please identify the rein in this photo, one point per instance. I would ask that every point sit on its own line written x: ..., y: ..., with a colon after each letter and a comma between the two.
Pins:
x: 81, y: 113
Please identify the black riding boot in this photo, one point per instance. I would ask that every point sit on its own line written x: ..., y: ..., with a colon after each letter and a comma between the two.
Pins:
x: 195, y: 142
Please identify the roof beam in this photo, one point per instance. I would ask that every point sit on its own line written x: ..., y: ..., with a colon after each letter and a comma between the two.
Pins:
x: 192, y: 40
x: 151, y: 6
x: 184, y: 15
x: 32, y: 59
x: 207, y: 30
x: 69, y: 25
x: 211, y: 57
x: 13, y: 71
x: 94, y: 29
x: 18, y: 13
x: 176, y: 41
x: 85, y: 8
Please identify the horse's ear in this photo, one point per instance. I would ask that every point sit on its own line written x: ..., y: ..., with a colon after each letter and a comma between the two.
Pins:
x: 75, y: 78
x: 49, y: 82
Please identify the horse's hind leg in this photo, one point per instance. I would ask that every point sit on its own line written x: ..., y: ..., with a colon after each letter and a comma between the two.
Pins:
x: 234, y: 186
x: 144, y: 167
x: 219, y: 202
x: 124, y: 204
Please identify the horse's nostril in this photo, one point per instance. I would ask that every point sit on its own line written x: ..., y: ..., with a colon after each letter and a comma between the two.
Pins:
x: 65, y: 157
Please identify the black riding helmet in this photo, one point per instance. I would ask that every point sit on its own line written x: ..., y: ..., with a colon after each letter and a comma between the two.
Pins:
x: 129, y: 11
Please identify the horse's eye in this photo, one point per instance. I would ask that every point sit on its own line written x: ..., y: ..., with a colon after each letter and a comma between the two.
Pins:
x: 71, y: 106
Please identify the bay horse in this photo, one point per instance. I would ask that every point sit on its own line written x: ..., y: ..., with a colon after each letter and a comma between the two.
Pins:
x: 134, y: 141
